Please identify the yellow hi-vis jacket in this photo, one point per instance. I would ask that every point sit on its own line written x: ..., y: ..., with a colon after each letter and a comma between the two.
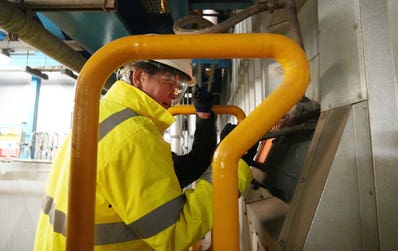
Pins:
x: 139, y: 202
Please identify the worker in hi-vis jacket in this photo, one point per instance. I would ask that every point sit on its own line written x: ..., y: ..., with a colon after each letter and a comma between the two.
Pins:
x: 189, y: 167
x: 139, y: 203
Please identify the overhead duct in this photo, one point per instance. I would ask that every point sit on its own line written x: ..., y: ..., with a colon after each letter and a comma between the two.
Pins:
x: 108, y: 5
x: 15, y: 21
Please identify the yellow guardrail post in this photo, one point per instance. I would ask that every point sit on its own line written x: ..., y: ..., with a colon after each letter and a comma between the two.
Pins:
x: 81, y: 200
x: 218, y: 109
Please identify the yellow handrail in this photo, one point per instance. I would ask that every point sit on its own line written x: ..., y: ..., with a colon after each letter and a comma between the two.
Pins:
x: 218, y: 109
x: 80, y: 220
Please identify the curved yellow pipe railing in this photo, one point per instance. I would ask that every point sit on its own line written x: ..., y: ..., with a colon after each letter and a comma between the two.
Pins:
x: 80, y: 220
x: 218, y: 109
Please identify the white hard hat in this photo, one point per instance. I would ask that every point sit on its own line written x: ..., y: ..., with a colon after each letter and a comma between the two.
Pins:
x: 182, y: 65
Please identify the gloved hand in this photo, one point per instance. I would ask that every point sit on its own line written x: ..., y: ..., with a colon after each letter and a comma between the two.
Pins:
x: 202, y: 99
x: 249, y: 155
x: 226, y: 130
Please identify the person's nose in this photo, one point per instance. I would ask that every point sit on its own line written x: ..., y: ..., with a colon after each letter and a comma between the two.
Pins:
x: 174, y: 88
x: 174, y: 92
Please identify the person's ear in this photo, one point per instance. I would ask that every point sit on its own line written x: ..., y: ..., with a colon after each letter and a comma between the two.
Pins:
x: 136, y: 79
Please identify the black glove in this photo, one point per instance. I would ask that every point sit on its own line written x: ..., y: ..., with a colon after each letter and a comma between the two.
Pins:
x: 226, y: 130
x: 249, y: 155
x: 202, y: 99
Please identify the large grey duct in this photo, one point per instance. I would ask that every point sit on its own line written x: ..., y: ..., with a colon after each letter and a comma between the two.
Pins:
x: 15, y: 21
x: 41, y: 5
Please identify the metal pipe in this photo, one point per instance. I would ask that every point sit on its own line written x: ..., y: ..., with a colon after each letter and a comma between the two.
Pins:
x: 308, y: 126
x: 294, y: 25
x: 257, y: 7
x: 218, y: 109
x: 42, y: 5
x: 15, y: 21
x: 32, y: 145
x: 80, y: 220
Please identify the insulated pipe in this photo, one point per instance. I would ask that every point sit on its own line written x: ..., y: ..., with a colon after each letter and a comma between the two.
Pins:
x: 218, y: 109
x: 40, y: 5
x: 14, y: 21
x: 80, y: 220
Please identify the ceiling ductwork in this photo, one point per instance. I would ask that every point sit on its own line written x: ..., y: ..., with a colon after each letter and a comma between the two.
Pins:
x: 107, y: 5
x: 22, y: 26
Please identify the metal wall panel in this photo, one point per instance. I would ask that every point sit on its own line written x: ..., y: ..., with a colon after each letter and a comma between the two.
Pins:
x: 354, y: 62
x: 383, y: 111
x: 342, y: 77
x: 392, y: 8
x: 316, y: 167
x: 346, y: 214
x: 267, y: 73
x: 308, y: 18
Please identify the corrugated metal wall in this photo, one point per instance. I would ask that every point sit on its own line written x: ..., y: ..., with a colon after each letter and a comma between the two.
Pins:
x: 352, y: 47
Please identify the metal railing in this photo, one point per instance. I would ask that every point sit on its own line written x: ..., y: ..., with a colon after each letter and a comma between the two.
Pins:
x: 81, y: 204
x: 218, y: 109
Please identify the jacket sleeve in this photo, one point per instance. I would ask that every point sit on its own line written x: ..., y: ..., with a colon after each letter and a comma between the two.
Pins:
x: 140, y: 184
x: 189, y: 167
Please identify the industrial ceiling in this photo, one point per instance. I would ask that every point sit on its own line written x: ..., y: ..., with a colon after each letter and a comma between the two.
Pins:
x: 70, y: 31
x: 88, y: 25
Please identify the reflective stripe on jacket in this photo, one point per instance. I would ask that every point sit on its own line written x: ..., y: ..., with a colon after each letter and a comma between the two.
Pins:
x: 139, y: 203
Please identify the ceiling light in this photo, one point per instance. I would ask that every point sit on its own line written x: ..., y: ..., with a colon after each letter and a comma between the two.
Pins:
x: 68, y: 73
x: 36, y: 73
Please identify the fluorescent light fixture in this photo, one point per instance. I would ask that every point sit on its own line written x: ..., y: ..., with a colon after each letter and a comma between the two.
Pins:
x: 5, y: 57
x: 69, y: 73
x: 36, y: 73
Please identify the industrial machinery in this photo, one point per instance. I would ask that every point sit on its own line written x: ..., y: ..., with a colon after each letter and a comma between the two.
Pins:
x: 315, y: 79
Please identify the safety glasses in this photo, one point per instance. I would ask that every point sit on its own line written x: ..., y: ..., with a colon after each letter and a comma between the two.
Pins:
x: 172, y: 80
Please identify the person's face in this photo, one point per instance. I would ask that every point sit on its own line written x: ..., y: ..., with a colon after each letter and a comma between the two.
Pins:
x: 162, y: 86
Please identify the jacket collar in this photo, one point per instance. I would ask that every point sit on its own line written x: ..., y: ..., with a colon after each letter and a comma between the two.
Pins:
x: 131, y: 97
